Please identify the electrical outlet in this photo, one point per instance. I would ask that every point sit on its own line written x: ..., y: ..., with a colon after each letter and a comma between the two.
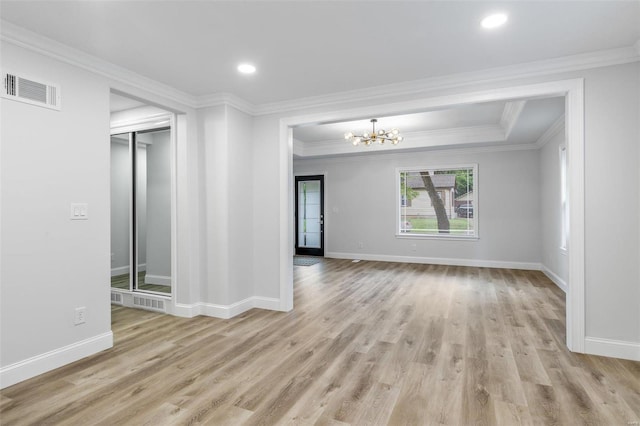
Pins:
x: 80, y: 316
x: 413, y: 247
x: 360, y: 244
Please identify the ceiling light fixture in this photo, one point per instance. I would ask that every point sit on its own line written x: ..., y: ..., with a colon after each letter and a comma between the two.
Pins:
x: 494, y: 21
x: 246, y: 68
x: 379, y: 136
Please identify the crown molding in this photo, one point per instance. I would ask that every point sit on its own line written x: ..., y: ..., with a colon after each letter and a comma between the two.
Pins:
x: 24, y: 38
x: 386, y: 155
x: 510, y: 115
x: 428, y: 139
x: 224, y: 98
x: 596, y: 59
x: 554, y: 130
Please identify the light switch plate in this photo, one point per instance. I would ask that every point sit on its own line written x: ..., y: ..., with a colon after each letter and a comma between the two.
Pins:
x: 79, y: 211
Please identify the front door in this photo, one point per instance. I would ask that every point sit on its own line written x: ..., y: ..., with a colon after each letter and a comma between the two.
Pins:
x: 310, y: 215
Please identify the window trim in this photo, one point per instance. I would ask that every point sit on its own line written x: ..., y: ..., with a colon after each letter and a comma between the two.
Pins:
x: 448, y: 237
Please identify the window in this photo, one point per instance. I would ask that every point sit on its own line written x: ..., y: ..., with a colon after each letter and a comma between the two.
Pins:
x: 564, y: 227
x: 438, y: 202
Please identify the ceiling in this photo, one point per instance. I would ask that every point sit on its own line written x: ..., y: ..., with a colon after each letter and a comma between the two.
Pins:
x: 316, y: 48
x: 500, y: 123
x: 305, y: 49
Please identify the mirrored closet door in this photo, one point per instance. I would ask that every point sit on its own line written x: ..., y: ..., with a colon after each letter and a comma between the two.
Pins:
x: 141, y: 211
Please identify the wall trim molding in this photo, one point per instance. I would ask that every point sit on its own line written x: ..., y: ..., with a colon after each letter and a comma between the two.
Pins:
x: 229, y: 99
x: 30, y: 40
x: 612, y: 348
x: 157, y: 279
x: 225, y: 311
x: 39, y: 364
x: 120, y: 270
x: 556, y: 128
x: 530, y: 266
x: 596, y: 59
x: 555, y: 278
x: 148, y: 122
x: 436, y: 151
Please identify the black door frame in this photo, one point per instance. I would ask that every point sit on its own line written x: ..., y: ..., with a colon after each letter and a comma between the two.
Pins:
x: 306, y: 251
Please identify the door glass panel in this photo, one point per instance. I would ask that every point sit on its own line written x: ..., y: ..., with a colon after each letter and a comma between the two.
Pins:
x: 309, y: 214
x: 120, y: 211
x: 153, y: 211
x: 141, y: 236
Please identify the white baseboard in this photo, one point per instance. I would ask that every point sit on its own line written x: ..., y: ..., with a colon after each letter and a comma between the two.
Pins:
x: 121, y: 270
x: 555, y: 278
x: 39, y: 364
x: 185, y: 310
x: 157, y: 280
x: 269, y: 303
x: 438, y: 261
x: 225, y: 311
x: 612, y: 348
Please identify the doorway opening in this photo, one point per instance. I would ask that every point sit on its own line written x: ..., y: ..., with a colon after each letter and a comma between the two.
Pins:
x: 143, y: 250
x: 573, y: 93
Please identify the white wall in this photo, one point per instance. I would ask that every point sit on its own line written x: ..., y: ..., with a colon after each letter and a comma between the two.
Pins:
x: 270, y: 180
x: 50, y: 264
x: 612, y: 245
x: 361, y: 206
x: 241, y: 206
x: 213, y: 136
x: 555, y: 261
x: 228, y: 176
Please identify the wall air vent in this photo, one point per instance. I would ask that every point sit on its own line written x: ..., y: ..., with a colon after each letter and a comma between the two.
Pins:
x: 116, y: 298
x: 149, y: 303
x: 30, y: 91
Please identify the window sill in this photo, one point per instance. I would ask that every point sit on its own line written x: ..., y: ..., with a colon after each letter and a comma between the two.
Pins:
x: 437, y: 237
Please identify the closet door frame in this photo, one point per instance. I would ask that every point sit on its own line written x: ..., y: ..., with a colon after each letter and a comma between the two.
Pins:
x: 155, y: 122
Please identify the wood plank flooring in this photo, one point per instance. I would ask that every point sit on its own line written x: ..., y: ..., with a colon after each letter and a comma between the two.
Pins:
x: 367, y: 343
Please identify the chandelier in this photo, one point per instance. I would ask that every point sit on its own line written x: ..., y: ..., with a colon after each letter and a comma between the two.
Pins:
x: 381, y: 136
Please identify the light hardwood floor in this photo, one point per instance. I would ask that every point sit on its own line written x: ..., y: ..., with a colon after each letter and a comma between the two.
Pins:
x: 367, y: 343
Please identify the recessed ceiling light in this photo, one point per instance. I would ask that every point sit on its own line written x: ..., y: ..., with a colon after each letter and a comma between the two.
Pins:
x: 246, y: 68
x: 494, y: 21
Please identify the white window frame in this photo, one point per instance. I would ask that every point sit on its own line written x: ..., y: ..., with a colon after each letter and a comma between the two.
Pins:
x: 398, y: 195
